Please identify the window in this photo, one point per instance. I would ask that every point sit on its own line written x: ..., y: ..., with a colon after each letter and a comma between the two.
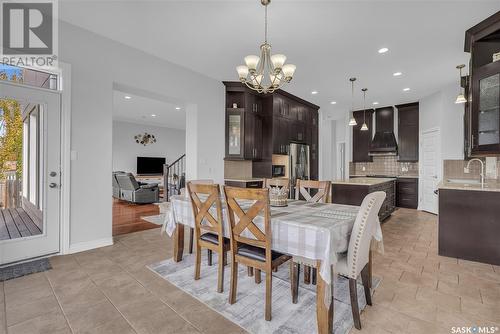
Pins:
x: 28, y: 76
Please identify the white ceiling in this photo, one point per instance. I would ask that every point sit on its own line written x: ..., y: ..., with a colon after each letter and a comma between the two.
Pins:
x: 140, y: 109
x: 329, y: 41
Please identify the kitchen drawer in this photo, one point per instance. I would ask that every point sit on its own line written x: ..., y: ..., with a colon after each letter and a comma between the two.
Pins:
x: 407, y: 201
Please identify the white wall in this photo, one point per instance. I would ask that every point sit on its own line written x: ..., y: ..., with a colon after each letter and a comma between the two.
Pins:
x: 440, y: 111
x: 326, y: 148
x: 97, y: 63
x: 170, y: 144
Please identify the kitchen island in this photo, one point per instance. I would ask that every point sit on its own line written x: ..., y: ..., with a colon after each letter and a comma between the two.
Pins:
x: 354, y: 190
x: 469, y: 223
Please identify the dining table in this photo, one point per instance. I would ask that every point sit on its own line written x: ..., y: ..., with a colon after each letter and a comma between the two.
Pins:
x: 313, y: 233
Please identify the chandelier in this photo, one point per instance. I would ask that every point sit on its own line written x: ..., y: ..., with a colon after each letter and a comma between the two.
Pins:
x: 268, y: 72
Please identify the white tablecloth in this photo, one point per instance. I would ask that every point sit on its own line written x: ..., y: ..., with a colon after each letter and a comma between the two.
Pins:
x: 313, y: 231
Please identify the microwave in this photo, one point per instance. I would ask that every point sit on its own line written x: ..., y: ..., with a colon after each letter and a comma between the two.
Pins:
x: 278, y: 170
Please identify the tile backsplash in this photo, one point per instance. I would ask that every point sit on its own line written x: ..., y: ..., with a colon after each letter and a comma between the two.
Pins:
x: 454, y: 169
x: 384, y: 165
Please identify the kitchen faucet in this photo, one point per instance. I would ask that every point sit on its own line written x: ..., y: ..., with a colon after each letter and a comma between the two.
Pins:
x: 482, y: 169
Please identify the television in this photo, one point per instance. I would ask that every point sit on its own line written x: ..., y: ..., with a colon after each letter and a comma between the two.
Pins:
x: 150, y: 165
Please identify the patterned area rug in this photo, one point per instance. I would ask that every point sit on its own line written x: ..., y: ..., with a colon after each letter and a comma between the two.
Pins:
x: 248, y: 311
x: 24, y: 269
x: 156, y: 219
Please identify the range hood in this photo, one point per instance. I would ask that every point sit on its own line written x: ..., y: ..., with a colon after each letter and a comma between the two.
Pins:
x: 384, y: 141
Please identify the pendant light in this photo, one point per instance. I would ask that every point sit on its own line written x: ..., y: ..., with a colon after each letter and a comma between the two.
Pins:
x: 352, y: 121
x: 364, y: 127
x: 460, y: 98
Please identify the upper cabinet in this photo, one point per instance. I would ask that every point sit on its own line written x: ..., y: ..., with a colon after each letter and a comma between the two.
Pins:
x: 361, y: 140
x: 258, y: 125
x: 408, y: 132
x: 482, y: 114
x: 244, y: 124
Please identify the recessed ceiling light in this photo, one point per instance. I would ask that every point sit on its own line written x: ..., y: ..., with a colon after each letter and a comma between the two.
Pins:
x: 375, y: 103
x: 406, y: 89
x: 127, y: 97
x: 153, y: 115
x: 333, y: 102
x: 383, y: 50
x: 177, y: 108
x: 314, y: 92
x: 397, y: 74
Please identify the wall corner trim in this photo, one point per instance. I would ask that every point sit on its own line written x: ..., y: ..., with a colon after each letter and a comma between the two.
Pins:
x: 88, y: 245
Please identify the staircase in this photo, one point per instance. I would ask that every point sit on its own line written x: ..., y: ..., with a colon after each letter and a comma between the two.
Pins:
x: 174, y: 177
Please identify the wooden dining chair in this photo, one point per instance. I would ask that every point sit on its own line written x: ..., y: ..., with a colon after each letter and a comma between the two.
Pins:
x: 191, y: 230
x: 250, y: 244
x: 303, y: 191
x: 277, y: 182
x: 208, y: 229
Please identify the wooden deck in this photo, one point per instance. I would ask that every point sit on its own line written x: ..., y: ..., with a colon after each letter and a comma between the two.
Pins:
x: 16, y: 223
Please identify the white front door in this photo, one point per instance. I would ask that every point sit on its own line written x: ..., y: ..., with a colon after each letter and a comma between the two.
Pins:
x: 430, y: 165
x: 30, y: 196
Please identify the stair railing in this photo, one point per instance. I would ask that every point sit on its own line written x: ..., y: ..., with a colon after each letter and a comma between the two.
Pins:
x: 174, y: 177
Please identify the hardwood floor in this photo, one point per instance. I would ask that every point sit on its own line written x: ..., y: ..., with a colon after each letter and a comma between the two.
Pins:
x: 127, y: 217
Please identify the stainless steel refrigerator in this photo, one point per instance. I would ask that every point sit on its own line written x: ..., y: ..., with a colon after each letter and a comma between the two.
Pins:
x: 299, y: 164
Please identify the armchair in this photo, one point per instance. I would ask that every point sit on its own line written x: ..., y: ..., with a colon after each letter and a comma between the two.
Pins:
x: 132, y: 191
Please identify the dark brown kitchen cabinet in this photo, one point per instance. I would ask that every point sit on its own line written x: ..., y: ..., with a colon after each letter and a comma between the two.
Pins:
x: 408, y: 137
x: 265, y: 124
x: 361, y: 139
x: 482, y: 114
x: 407, y: 192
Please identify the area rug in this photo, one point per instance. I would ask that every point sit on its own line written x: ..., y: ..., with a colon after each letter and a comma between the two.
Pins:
x: 24, y: 269
x: 248, y: 311
x: 156, y: 219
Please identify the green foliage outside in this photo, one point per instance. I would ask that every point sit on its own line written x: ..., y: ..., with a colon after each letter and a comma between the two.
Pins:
x: 11, y: 136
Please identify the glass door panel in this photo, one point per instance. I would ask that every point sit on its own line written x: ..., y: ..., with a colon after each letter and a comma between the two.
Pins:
x: 489, y: 111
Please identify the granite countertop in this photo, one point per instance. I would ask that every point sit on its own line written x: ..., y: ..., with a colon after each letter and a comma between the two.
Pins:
x: 243, y: 179
x: 364, y: 181
x: 404, y: 176
x: 488, y: 186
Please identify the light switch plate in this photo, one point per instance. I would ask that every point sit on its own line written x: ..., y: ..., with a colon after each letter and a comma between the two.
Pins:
x: 491, y: 168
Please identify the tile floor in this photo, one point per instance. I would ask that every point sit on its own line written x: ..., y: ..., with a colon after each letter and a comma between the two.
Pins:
x: 109, y: 290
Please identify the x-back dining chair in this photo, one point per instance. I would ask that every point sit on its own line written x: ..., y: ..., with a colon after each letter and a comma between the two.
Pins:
x: 250, y: 245
x: 208, y: 230
x: 277, y: 182
x: 191, y: 230
x: 303, y: 190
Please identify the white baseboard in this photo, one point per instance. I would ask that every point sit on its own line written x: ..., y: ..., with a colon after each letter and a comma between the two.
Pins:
x: 88, y: 245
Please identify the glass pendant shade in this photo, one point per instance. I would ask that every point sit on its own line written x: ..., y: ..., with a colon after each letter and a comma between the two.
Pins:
x: 288, y: 70
x: 251, y: 62
x: 242, y: 71
x: 352, y: 122
x: 278, y: 60
x: 460, y: 99
x: 364, y: 127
